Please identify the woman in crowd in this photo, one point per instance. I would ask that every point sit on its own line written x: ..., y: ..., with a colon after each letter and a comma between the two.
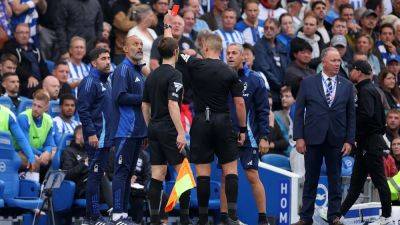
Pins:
x: 387, y: 82
x: 287, y: 30
x: 364, y: 45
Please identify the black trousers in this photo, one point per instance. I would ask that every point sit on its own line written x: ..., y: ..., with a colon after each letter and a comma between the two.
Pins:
x: 373, y: 165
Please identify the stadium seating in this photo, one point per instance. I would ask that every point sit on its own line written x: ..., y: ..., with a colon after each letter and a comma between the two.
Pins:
x: 64, y: 142
x: 277, y: 160
x: 17, y: 193
x: 24, y: 105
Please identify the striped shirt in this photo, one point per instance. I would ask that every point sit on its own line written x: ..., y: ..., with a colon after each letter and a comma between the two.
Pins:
x: 251, y: 34
x: 30, y: 17
x: 228, y: 38
x: 77, y: 72
x: 65, y: 127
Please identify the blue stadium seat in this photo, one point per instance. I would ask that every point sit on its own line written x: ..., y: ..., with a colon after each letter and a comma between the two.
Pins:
x: 64, y: 142
x: 17, y: 193
x: 24, y: 105
x: 277, y: 160
x: 63, y: 197
x: 50, y: 65
x: 1, y: 194
x: 54, y: 108
x: 6, y: 101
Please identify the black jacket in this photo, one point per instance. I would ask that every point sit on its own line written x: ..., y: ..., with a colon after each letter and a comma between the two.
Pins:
x: 73, y: 162
x: 82, y: 18
x: 370, y: 119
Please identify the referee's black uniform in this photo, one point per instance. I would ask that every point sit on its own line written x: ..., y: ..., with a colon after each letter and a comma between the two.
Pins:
x: 212, y: 83
x: 370, y: 127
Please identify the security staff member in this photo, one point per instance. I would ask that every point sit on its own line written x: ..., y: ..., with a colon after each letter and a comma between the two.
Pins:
x: 257, y: 110
x: 94, y: 109
x: 162, y: 95
x: 370, y: 126
x: 212, y: 81
x: 128, y: 126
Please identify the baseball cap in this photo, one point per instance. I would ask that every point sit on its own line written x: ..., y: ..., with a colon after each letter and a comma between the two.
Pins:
x: 339, y: 40
x: 393, y: 58
x: 369, y: 12
x: 362, y: 66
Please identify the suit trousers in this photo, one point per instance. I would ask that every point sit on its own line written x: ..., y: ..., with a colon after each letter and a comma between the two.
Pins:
x: 373, y: 165
x: 313, y: 160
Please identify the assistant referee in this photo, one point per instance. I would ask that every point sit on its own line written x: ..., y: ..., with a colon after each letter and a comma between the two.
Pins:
x: 212, y: 83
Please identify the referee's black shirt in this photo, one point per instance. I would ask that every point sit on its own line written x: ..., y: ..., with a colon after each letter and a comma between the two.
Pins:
x: 211, y: 82
x: 370, y: 118
x: 163, y: 84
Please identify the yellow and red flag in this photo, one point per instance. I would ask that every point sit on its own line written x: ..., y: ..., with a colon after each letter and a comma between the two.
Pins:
x: 184, y: 182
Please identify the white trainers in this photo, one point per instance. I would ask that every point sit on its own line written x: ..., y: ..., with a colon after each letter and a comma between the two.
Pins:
x: 382, y: 221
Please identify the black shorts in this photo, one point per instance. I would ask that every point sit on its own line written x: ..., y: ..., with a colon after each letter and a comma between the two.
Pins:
x: 212, y: 137
x: 162, y: 144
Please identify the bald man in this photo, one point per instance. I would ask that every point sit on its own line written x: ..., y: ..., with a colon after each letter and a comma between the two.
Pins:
x: 52, y: 86
x: 128, y: 126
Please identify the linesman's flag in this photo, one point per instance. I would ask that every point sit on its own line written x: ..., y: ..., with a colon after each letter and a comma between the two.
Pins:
x: 184, y: 182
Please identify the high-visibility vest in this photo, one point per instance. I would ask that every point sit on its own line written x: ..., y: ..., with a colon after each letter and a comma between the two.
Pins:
x: 394, y: 186
x: 38, y: 135
x: 4, y: 119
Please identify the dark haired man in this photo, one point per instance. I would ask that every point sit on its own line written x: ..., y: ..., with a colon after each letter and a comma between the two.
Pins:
x: 10, y: 84
x: 162, y: 95
x: 94, y: 108
x: 65, y: 122
x: 61, y: 72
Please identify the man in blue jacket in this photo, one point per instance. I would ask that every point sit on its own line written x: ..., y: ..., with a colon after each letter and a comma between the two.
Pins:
x: 129, y: 128
x: 94, y: 108
x: 255, y: 95
x: 272, y: 59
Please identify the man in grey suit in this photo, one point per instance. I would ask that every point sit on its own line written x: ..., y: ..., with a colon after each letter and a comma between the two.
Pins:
x: 324, y: 127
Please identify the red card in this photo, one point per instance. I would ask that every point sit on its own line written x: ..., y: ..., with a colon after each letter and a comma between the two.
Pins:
x: 175, y: 10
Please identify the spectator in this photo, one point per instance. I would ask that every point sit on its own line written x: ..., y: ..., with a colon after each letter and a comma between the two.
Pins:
x: 347, y: 13
x: 139, y: 183
x: 160, y: 8
x: 186, y: 46
x: 271, y: 58
x: 270, y: 9
x: 319, y: 9
x: 106, y: 30
x: 364, y: 46
x: 47, y: 31
x: 309, y: 34
x: 65, y: 122
x: 393, y: 66
x: 52, y: 86
x: 37, y: 127
x: 75, y: 163
x: 8, y: 124
x: 214, y: 18
x: 277, y: 143
x: 283, y: 119
x: 228, y: 33
x: 77, y: 69
x: 395, y: 147
x: 61, y: 72
x: 340, y: 28
x: 122, y: 23
x: 78, y: 18
x: 389, y: 164
x: 24, y: 11
x: 189, y: 19
x: 396, y: 8
x: 294, y: 8
x: 387, y: 82
x: 287, y: 30
x: 5, y: 27
x: 385, y: 46
x: 31, y: 68
x: 392, y: 126
x: 248, y: 57
x: 300, y: 55
x: 339, y: 42
x: 368, y: 22
x: 8, y: 63
x: 145, y: 18
x: 200, y: 24
x: 10, y: 83
x: 251, y: 26
x: 333, y: 13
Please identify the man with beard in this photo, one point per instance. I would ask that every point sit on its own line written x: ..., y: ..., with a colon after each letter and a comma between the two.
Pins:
x: 129, y: 128
x: 65, y: 123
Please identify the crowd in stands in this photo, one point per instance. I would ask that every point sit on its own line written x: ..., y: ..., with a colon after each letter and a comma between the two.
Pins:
x: 43, y: 46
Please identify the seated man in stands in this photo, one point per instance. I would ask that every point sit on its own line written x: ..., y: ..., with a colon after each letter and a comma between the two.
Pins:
x: 8, y: 124
x: 65, y: 122
x: 52, y: 86
x: 37, y: 126
x: 392, y: 126
x: 31, y: 68
x: 395, y: 147
x: 61, y: 72
x: 10, y: 84
x: 8, y: 64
